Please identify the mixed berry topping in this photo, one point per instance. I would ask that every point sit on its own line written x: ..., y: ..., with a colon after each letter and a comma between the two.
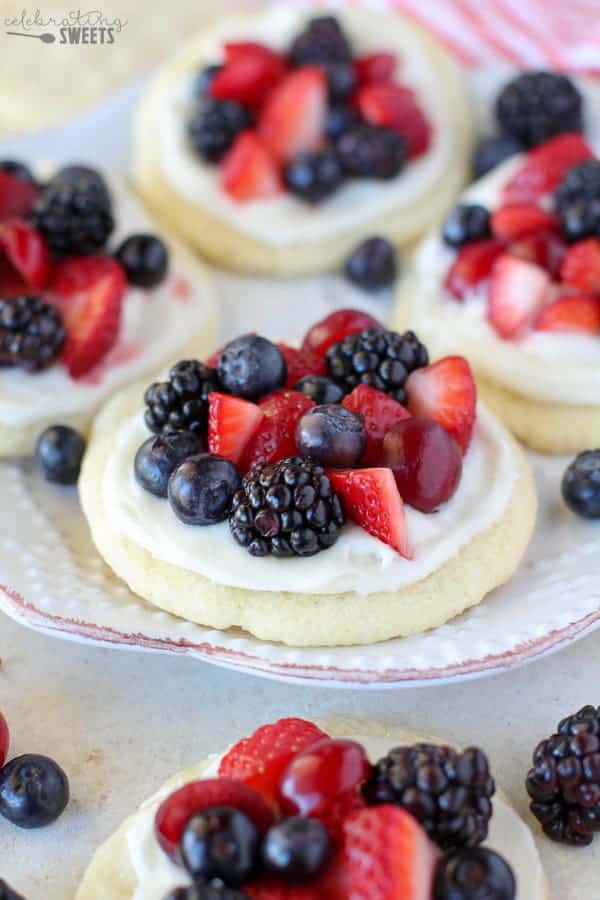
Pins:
x: 75, y: 216
x: 181, y: 403
x: 581, y: 485
x: 59, y: 454
x: 201, y: 489
x: 159, y: 456
x: 332, y: 435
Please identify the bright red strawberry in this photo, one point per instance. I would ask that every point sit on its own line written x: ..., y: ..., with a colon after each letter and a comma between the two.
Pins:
x: 379, y: 412
x: 581, y: 266
x: 16, y: 196
x: 266, y: 888
x: 259, y: 760
x: 335, y: 326
x: 89, y: 291
x: 516, y: 220
x: 4, y: 740
x: 472, y: 265
x: 293, y: 118
x: 446, y: 393
x: 178, y: 808
x: 26, y: 250
x: 517, y: 292
x: 375, y: 67
x: 395, y: 106
x: 251, y: 70
x: 545, y: 248
x: 370, y: 498
x: 571, y: 313
x: 275, y: 439
x: 300, y: 363
x: 232, y: 422
x: 248, y: 171
x: 544, y: 168
x: 387, y: 855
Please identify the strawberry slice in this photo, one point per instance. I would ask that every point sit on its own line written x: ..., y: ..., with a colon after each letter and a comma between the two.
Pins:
x: 545, y: 167
x: 89, y: 291
x: 293, y: 118
x: 259, y: 760
x: 581, y: 266
x: 371, y: 499
x: 571, y: 313
x: 375, y: 67
x: 379, y: 412
x: 446, y: 393
x: 248, y: 170
x: 270, y: 889
x: 336, y: 326
x: 472, y: 265
x: 16, y: 196
x: 516, y: 220
x: 275, y: 439
x: 251, y: 70
x: 518, y: 290
x: 395, y: 106
x: 300, y: 363
x: 26, y: 251
x: 545, y: 248
x: 232, y: 422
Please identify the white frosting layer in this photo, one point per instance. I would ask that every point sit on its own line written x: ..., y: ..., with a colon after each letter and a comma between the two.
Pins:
x: 157, y: 875
x: 356, y: 562
x: 155, y: 323
x: 284, y: 219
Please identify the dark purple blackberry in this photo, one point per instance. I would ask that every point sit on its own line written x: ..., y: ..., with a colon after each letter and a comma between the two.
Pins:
x: 447, y: 791
x: 371, y: 151
x: 339, y: 120
x: 564, y: 783
x: 31, y: 333
x: 181, y: 403
x: 214, y: 126
x: 322, y: 41
x: 577, y: 201
x: 314, y: 176
x: 7, y: 893
x: 474, y: 873
x: 75, y: 216
x: 492, y: 151
x: 536, y: 106
x: 287, y: 508
x: 383, y: 359
x: 467, y: 222
x: 201, y: 891
x: 372, y: 265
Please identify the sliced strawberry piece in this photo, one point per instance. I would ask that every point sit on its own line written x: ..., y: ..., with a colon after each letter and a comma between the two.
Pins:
x: 275, y: 439
x: 545, y: 248
x: 571, y: 313
x: 293, y: 118
x: 379, y: 412
x: 336, y: 326
x: 545, y: 167
x: 250, y: 72
x: 266, y: 888
x: 300, y: 363
x: 16, y: 196
x: 26, y: 251
x: 232, y: 422
x: 516, y: 220
x: 446, y: 393
x: 581, y: 266
x: 472, y: 265
x: 259, y: 760
x: 248, y: 170
x: 517, y: 292
x: 371, y: 499
x: 395, y: 106
x: 375, y: 67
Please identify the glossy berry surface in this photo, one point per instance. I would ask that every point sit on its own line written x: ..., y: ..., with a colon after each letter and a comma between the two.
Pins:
x: 296, y: 849
x: 7, y: 893
x: 251, y: 366
x: 535, y: 106
x: 320, y: 389
x: 315, y: 175
x: 426, y: 462
x: 145, y: 259
x: 336, y: 326
x: 80, y: 174
x: 201, y: 489
x: 159, y: 456
x: 4, y: 739
x: 59, y: 452
x: 372, y: 266
x: 474, y: 873
x: 466, y: 223
x: 581, y: 485
x: 371, y: 151
x: 332, y: 435
x: 17, y: 169
x: 492, y: 151
x: 220, y: 842
x: 34, y: 791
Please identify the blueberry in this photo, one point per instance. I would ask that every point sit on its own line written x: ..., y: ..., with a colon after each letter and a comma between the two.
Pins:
x: 372, y: 265
x: 18, y: 170
x: 474, y: 873
x: 7, y: 893
x: 320, y: 389
x: 145, y: 259
x: 339, y: 120
x: 204, y: 79
x: 581, y: 485
x: 296, y: 849
x: 466, y: 222
x: 159, y: 456
x: 220, y: 842
x: 251, y: 366
x: 492, y: 151
x: 59, y: 452
x: 314, y: 176
x: 200, y: 891
x: 201, y: 489
x: 34, y: 791
x: 332, y: 435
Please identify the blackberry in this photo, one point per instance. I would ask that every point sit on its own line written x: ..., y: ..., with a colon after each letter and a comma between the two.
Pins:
x: 214, y: 126
x: 181, y: 403
x: 75, y: 216
x: 492, y: 151
x: 447, y: 791
x: 314, y: 176
x: 372, y: 151
x: 577, y: 201
x: 564, y: 783
x: 536, y: 106
x: 286, y: 509
x: 383, y: 359
x: 467, y: 222
x: 31, y: 333
x: 322, y: 41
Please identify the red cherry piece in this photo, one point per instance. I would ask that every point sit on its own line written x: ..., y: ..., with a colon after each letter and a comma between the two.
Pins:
x: 300, y: 363
x: 16, y: 196
x: 26, y: 250
x: 472, y: 265
x: 4, y: 740
x: 293, y: 118
x: 545, y: 167
x: 446, y: 393
x: 375, y: 67
x: 249, y: 171
x: 581, y: 266
x: 337, y: 326
x: 380, y: 412
x: 571, y: 314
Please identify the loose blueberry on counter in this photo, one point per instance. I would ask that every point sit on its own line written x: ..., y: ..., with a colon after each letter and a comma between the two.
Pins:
x: 145, y: 259
x: 251, y: 366
x: 201, y: 489
x: 204, y: 79
x: 339, y: 120
x: 59, y: 453
x: 296, y: 849
x: 535, y: 106
x: 314, y: 176
x: 158, y: 457
x: 34, y: 791
x: 474, y: 873
x: 18, y: 170
x: 466, y: 223
x: 492, y: 151
x: 372, y: 265
x: 201, y: 891
x: 220, y: 842
x: 320, y: 389
x: 332, y: 435
x: 581, y: 485
x: 7, y: 893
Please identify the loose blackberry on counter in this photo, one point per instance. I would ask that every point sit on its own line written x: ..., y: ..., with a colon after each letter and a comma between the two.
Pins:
x: 535, y: 106
x: 581, y: 485
x: 577, y: 201
x: 75, y: 216
x: 32, y: 333
x: 372, y: 151
x: 214, y: 125
x: 372, y: 265
x: 181, y: 403
x: 59, y: 454
x: 474, y: 873
x: 466, y: 223
x: 145, y: 259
